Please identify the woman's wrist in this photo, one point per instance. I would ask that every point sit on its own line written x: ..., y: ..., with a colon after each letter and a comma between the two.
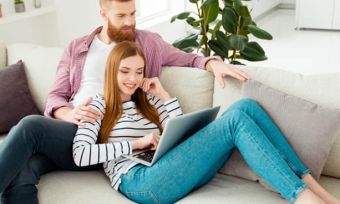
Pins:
x: 134, y: 144
x: 165, y: 96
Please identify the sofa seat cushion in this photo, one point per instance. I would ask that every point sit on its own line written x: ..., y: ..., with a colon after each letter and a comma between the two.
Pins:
x: 94, y: 187
x: 75, y: 187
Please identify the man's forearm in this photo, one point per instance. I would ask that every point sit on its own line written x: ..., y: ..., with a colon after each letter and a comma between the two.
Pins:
x: 61, y: 112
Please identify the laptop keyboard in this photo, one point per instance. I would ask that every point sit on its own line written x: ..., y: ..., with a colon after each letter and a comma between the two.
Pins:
x: 146, y: 156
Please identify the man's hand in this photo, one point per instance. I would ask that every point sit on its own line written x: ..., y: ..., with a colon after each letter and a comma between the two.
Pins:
x: 81, y: 112
x: 221, y: 69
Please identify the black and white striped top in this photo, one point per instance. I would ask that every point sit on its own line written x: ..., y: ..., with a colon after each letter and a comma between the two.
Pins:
x: 130, y: 126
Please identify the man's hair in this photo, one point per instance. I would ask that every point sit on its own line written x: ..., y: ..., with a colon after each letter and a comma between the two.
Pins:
x: 104, y: 3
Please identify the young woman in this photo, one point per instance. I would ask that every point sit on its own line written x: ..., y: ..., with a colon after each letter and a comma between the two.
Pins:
x: 135, y: 110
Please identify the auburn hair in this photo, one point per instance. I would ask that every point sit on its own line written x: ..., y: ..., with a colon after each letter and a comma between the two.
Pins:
x: 112, y: 98
x: 104, y: 3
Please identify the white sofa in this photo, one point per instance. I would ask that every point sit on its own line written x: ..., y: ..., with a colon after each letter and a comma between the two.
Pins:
x: 195, y: 89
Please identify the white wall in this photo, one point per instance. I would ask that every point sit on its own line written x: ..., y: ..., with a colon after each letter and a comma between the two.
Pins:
x: 36, y: 30
x: 76, y: 18
x: 288, y: 1
x: 74, y: 22
x: 28, y: 27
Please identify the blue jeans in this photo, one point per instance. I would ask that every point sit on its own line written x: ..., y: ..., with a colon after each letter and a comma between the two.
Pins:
x: 35, y: 146
x: 193, y: 163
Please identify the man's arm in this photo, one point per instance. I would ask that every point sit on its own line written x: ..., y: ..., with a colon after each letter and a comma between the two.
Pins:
x: 60, y: 94
x: 57, y: 102
x: 174, y: 57
x: 221, y: 70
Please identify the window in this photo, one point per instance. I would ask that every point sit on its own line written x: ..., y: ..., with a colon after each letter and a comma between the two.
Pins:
x: 152, y: 7
x: 148, y: 10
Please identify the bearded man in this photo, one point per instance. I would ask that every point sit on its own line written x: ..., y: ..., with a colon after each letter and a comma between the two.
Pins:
x: 40, y: 144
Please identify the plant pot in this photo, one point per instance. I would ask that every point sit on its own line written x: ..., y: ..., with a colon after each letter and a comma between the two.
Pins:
x: 0, y: 10
x: 19, y: 8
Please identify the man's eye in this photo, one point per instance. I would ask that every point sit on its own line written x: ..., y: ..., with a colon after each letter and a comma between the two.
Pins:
x: 124, y: 72
x: 139, y: 72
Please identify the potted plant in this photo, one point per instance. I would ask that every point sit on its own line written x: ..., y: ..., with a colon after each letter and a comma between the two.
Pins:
x: 223, y: 29
x: 19, y: 6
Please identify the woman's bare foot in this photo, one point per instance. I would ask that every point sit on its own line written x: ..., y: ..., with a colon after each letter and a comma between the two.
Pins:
x: 308, y: 197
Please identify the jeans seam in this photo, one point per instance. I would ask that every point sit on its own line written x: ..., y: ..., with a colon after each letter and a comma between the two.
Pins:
x: 144, y: 193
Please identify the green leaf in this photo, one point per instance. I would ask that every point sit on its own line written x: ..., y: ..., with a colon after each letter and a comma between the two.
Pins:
x: 244, y: 12
x: 189, y: 41
x: 208, y: 2
x: 237, y: 6
x: 180, y: 16
x: 188, y: 49
x: 210, y: 11
x: 218, y: 49
x: 253, y: 52
x: 222, y: 40
x: 193, y: 1
x: 237, y: 42
x: 259, y: 33
x: 229, y: 20
x: 193, y: 22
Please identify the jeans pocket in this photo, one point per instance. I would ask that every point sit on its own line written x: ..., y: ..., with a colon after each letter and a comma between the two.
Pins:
x: 143, y: 197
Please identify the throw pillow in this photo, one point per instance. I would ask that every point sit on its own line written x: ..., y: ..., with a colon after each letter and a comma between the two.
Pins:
x: 16, y: 101
x: 308, y: 127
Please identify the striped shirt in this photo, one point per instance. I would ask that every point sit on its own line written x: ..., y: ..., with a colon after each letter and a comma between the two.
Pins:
x: 131, y: 125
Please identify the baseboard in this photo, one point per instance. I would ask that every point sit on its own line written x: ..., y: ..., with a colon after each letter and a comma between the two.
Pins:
x: 286, y: 6
x: 275, y: 8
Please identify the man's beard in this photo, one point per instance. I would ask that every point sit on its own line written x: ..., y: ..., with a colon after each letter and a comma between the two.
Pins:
x: 118, y: 35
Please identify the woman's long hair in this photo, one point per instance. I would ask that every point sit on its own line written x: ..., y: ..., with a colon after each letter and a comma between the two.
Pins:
x: 114, y: 108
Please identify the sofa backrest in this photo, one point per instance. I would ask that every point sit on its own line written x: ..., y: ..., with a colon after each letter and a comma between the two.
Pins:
x: 322, y: 89
x: 41, y: 65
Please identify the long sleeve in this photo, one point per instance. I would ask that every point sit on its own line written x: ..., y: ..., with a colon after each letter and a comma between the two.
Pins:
x: 87, y: 152
x: 169, y: 109
x: 61, y: 92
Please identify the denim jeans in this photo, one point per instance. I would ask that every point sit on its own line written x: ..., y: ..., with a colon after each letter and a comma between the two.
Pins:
x: 35, y: 146
x: 192, y: 163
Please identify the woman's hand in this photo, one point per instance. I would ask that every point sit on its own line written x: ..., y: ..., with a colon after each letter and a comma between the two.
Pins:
x: 154, y: 86
x: 150, y: 140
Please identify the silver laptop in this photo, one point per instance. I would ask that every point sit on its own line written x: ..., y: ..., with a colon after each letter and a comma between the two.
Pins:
x: 176, y: 130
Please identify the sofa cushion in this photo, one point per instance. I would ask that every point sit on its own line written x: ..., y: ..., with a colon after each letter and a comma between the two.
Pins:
x: 73, y: 187
x: 321, y: 89
x: 41, y: 65
x: 15, y: 97
x: 193, y: 87
x: 309, y: 128
x: 229, y: 189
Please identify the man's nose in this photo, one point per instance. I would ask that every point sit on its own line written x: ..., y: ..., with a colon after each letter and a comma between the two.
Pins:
x: 129, y: 21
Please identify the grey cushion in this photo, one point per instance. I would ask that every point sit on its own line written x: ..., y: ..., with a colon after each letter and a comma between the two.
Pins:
x: 309, y: 128
x: 15, y: 99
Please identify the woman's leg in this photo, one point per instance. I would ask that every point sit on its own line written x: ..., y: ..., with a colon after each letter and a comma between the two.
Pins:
x: 261, y: 118
x: 273, y: 133
x: 319, y: 190
x: 185, y: 167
